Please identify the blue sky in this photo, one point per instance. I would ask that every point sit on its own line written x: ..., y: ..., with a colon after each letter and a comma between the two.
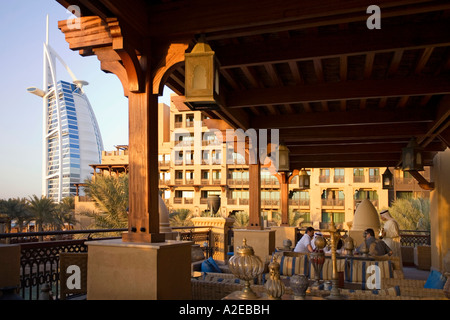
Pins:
x: 22, y: 34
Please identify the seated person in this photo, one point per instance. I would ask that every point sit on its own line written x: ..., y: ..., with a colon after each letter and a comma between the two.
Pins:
x: 376, y: 247
x: 304, y: 244
x: 339, y: 248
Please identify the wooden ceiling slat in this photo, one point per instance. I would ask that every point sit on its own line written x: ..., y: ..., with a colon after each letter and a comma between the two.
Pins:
x: 364, y: 89
x: 349, y: 118
x: 347, y: 42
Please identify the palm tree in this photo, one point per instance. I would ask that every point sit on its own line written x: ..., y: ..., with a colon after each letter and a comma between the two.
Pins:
x: 65, y: 213
x: 241, y: 219
x: 110, y: 194
x: 181, y: 218
x: 43, y: 210
x: 16, y: 209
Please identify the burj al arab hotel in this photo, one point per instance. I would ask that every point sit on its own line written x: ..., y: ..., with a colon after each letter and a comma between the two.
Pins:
x: 71, y: 135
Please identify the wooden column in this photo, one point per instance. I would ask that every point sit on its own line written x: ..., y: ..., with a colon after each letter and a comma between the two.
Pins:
x: 284, y: 193
x: 254, y: 222
x: 143, y: 221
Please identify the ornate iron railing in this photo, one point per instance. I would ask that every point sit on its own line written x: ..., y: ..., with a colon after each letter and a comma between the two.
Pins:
x: 39, y: 261
x: 414, y: 238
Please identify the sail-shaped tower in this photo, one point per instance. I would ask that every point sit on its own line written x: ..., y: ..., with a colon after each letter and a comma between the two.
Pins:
x: 71, y: 135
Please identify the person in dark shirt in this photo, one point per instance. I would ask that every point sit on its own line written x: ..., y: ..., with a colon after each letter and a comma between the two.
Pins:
x: 376, y: 247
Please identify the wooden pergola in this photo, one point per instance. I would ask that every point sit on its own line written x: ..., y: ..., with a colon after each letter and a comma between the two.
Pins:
x: 341, y: 94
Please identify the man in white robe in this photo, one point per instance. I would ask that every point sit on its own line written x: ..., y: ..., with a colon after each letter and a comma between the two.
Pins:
x: 391, y: 234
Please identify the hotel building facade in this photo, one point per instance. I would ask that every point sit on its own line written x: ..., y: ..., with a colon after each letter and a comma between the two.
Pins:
x: 186, y: 181
x: 188, y: 178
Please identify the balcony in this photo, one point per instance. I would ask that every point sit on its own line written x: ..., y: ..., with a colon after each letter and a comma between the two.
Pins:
x: 205, y: 182
x: 165, y: 182
x: 178, y: 162
x: 359, y: 179
x: 178, y: 124
x: 243, y: 202
x: 269, y: 203
x: 189, y: 181
x: 216, y: 181
x: 178, y: 181
x: 333, y: 202
x: 232, y: 202
x: 188, y: 200
x: 270, y: 182
x: 177, y: 200
x: 374, y: 179
x: 324, y: 179
x: 299, y: 202
x: 164, y: 163
x: 339, y: 179
x: 238, y: 182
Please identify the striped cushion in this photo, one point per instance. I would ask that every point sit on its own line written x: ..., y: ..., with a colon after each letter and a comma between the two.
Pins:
x: 356, y: 270
x: 294, y: 265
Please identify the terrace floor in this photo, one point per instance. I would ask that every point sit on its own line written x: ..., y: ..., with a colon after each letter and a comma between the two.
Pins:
x: 414, y: 273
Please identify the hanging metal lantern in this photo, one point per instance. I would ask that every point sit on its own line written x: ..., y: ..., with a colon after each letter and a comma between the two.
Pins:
x: 282, y: 158
x: 303, y: 180
x: 412, y: 156
x: 388, y: 179
x: 201, y: 77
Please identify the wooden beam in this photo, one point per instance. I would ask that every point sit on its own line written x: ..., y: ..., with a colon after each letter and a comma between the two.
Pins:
x: 362, y: 133
x: 357, y: 148
x: 203, y: 16
x: 347, y: 164
x: 337, y: 118
x: 363, y: 89
x: 346, y: 42
x: 388, y: 156
x: 423, y: 183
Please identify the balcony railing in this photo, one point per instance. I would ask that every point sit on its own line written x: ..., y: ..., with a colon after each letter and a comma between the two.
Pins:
x: 374, y: 179
x: 243, y: 202
x: 415, y: 238
x: 339, y: 179
x: 333, y: 202
x: 238, y: 182
x: 164, y: 163
x: 177, y: 200
x: 269, y: 202
x: 299, y: 202
x: 358, y: 179
x: 324, y: 179
x: 39, y: 261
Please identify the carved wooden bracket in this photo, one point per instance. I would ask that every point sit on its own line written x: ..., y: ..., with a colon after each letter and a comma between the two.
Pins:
x: 423, y: 183
x: 122, y: 56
